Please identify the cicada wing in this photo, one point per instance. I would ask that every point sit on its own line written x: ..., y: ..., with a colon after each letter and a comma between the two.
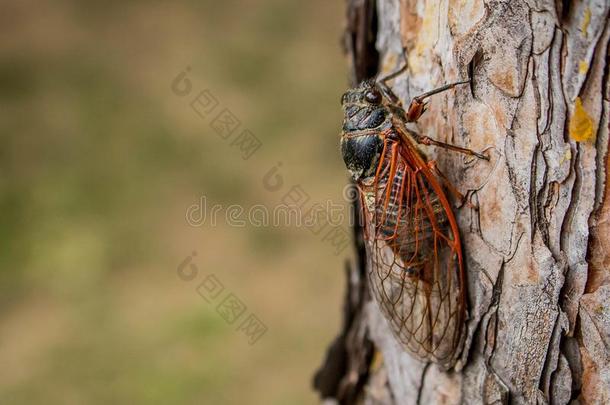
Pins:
x: 416, y: 269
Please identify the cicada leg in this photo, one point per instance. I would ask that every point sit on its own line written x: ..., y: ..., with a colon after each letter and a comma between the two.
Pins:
x: 417, y: 106
x: 426, y: 140
x: 383, y: 82
x: 388, y: 92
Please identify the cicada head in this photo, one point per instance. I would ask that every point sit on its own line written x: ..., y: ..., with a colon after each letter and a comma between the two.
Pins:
x: 365, y: 116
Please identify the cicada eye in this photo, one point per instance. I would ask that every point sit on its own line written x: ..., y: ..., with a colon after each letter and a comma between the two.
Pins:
x: 373, y: 96
x: 343, y: 98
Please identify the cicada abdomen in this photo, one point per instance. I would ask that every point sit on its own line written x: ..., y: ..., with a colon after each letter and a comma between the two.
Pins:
x: 412, y: 240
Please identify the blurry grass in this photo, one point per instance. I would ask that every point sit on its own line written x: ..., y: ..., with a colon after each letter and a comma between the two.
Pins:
x: 98, y: 164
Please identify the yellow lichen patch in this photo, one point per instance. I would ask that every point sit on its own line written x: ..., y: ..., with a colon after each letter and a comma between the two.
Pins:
x: 583, y: 66
x: 585, y: 22
x: 581, y: 124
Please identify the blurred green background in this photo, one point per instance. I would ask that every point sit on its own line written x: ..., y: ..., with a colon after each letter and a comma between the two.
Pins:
x: 100, y: 161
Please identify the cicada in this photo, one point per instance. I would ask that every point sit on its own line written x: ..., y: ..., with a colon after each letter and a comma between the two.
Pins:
x: 416, y: 265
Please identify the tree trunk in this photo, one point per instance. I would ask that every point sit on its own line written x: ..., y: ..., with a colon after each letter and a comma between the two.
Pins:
x: 537, y: 248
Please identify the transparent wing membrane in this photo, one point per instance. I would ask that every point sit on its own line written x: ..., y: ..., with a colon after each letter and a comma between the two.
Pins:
x: 413, y: 242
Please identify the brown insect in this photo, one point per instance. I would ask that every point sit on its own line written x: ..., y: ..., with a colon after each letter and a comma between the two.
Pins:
x: 412, y: 239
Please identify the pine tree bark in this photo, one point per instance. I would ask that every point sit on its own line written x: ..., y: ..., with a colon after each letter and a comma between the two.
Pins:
x: 538, y: 247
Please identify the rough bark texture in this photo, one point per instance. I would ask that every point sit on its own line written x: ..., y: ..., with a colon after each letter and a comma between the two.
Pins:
x: 538, y: 248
